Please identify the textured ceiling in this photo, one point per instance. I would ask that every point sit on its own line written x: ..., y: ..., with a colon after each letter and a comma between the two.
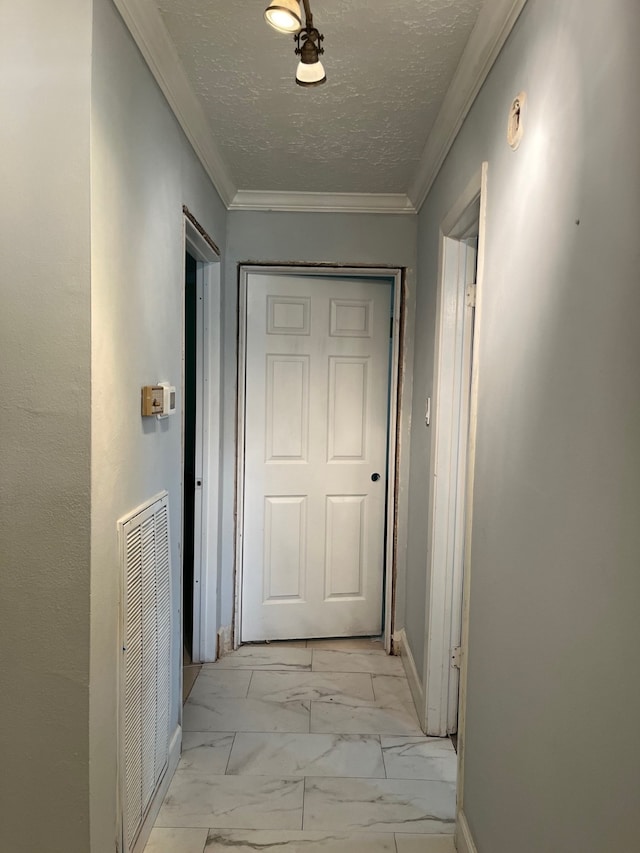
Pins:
x: 388, y: 67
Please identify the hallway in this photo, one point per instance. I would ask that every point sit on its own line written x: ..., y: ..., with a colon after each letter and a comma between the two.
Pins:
x: 307, y: 747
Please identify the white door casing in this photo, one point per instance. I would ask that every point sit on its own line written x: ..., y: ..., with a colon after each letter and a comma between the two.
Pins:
x: 316, y: 415
x: 463, y: 836
x: 450, y: 441
x: 208, y: 453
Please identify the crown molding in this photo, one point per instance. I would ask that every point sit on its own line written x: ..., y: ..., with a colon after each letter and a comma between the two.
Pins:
x: 495, y: 22
x: 150, y: 34
x: 302, y: 202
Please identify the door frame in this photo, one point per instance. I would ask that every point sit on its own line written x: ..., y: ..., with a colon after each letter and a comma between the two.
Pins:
x: 452, y: 452
x: 396, y: 275
x: 208, y: 434
x: 462, y: 833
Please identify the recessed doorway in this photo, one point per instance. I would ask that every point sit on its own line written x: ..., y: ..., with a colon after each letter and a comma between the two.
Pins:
x: 317, y: 403
x: 453, y: 430
x: 200, y: 450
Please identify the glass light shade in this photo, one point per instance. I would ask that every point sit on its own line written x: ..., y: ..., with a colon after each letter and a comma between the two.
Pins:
x: 310, y: 74
x: 284, y: 16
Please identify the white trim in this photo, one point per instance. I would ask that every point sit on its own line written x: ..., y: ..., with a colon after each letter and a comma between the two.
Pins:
x: 493, y: 27
x: 211, y: 471
x: 411, y: 671
x: 200, y: 501
x: 459, y: 486
x: 394, y: 420
x: 471, y: 455
x: 397, y: 368
x: 175, y: 748
x: 449, y: 443
x: 224, y: 641
x: 463, y: 839
x: 156, y: 46
x: 306, y: 202
x: 199, y: 248
x: 207, y: 500
x: 240, y: 431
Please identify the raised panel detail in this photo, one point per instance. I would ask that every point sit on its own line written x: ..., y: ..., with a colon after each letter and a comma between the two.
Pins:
x: 287, y: 415
x: 285, y: 532
x: 347, y: 408
x: 288, y: 315
x: 344, y: 546
x: 351, y: 318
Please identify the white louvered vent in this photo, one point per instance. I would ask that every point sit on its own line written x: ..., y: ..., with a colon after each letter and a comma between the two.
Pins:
x: 146, y: 660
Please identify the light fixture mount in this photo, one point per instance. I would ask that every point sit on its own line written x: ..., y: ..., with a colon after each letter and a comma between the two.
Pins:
x: 309, y: 47
x: 284, y: 15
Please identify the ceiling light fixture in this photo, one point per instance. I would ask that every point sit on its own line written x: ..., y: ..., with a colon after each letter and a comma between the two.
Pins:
x: 284, y: 15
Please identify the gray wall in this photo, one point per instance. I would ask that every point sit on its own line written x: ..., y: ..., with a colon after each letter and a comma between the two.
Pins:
x: 346, y: 238
x: 92, y: 263
x: 552, y: 749
x: 45, y: 78
x: 143, y: 171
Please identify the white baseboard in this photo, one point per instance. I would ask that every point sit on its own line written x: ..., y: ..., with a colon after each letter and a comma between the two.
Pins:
x: 401, y: 643
x: 463, y: 840
x: 174, y: 757
x: 224, y: 642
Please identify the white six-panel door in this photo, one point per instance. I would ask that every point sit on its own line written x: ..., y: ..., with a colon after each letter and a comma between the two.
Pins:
x: 316, y: 414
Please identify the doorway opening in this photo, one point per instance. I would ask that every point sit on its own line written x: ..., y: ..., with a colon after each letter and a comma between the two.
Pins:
x: 316, y: 481
x: 200, y: 449
x: 452, y: 439
x: 189, y: 451
x: 189, y: 467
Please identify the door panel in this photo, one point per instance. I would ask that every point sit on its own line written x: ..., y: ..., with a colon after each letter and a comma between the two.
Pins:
x: 285, y: 527
x: 347, y: 408
x: 316, y: 411
x: 344, y: 546
x: 287, y: 415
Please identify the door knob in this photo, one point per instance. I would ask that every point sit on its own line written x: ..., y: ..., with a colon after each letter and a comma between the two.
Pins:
x: 375, y: 477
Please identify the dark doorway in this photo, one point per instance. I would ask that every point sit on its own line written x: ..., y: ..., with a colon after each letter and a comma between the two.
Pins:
x: 189, y: 483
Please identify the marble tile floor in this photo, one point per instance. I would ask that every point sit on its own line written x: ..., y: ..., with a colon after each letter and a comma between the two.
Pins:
x: 307, y: 747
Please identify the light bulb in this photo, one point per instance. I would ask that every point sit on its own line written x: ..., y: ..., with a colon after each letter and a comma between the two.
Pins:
x: 310, y: 74
x: 284, y: 16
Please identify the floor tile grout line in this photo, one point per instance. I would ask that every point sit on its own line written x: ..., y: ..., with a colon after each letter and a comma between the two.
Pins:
x: 373, y: 689
x: 384, y: 763
x: 384, y: 766
x: 268, y: 668
x: 360, y: 778
x: 373, y: 692
x: 233, y: 743
x: 296, y: 777
x: 355, y: 734
x: 304, y: 799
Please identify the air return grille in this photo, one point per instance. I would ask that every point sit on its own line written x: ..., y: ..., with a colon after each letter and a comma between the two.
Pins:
x: 146, y: 660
